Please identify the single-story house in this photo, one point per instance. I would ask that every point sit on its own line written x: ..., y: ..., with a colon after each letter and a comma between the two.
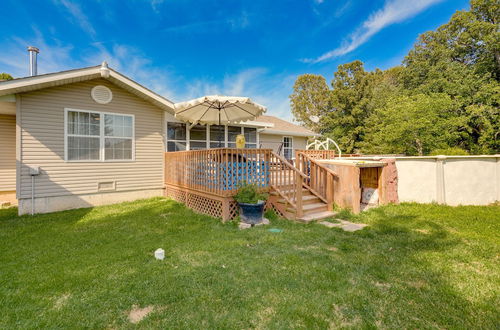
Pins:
x: 93, y: 136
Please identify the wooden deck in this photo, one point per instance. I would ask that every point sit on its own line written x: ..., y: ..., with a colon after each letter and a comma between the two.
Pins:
x: 207, y: 180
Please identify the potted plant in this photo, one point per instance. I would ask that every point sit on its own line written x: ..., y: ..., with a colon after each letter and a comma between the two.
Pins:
x: 251, y: 200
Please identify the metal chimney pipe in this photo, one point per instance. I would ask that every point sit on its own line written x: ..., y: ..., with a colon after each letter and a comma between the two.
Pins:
x: 33, y: 55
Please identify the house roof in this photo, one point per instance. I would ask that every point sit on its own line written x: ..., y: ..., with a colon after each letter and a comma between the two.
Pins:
x: 28, y: 84
x: 283, y: 127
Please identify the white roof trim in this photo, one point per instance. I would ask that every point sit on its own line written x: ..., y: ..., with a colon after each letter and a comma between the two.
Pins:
x: 291, y: 133
x: 256, y: 123
x: 42, y: 81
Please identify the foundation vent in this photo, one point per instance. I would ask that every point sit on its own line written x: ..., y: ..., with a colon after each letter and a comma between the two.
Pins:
x: 106, y: 186
x: 102, y: 94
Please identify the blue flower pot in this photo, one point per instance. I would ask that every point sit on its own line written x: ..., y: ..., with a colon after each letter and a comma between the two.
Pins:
x: 252, y: 213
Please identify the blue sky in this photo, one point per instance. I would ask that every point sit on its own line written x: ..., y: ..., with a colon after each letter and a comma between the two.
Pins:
x: 184, y: 48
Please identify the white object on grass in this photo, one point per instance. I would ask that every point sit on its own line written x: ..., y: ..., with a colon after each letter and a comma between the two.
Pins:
x: 160, y: 254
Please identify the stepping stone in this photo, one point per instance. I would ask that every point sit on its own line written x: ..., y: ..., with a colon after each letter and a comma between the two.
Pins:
x: 345, y: 225
x: 330, y: 224
x: 353, y: 227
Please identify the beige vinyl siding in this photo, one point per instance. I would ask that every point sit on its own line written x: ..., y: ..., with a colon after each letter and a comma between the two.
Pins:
x: 7, y: 153
x: 42, y: 135
x: 269, y: 141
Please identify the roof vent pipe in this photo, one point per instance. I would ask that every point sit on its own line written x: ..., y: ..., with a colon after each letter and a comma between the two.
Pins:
x: 33, y: 55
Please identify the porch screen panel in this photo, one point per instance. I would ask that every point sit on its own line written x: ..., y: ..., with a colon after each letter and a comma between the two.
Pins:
x: 217, y: 136
x: 250, y: 137
x: 232, y: 133
x: 176, y: 136
x: 198, y: 137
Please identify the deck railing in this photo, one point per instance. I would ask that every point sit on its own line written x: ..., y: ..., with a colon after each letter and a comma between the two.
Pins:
x: 218, y: 171
x: 316, y: 154
x: 320, y: 177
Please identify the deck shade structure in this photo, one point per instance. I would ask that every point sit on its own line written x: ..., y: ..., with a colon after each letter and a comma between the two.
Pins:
x: 218, y: 110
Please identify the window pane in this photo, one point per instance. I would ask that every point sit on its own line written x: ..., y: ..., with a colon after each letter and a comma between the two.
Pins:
x: 197, y: 145
x: 83, y: 123
x: 198, y: 132
x: 95, y: 119
x: 217, y: 133
x: 72, y: 117
x: 176, y: 146
x: 114, y: 125
x: 127, y: 121
x: 231, y: 145
x: 288, y: 153
x: 251, y: 145
x: 217, y: 144
x: 127, y: 131
x: 232, y: 132
x: 250, y: 134
x: 83, y: 148
x: 118, y: 149
x: 71, y: 128
x: 176, y: 131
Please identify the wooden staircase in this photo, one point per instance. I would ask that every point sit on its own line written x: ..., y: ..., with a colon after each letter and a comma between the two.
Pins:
x: 302, y: 193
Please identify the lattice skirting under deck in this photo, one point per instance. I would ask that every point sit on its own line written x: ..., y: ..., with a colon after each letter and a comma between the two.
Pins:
x: 217, y: 207
x: 225, y: 208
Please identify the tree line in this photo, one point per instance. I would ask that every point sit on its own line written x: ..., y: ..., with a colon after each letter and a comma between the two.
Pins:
x: 443, y: 99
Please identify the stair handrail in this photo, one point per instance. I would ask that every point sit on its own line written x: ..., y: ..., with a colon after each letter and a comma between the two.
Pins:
x: 280, y: 178
x: 298, y: 180
x: 317, y: 173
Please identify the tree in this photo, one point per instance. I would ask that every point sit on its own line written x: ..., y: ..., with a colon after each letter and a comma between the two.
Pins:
x: 413, y: 125
x: 310, y: 97
x: 456, y: 66
x: 5, y: 76
x: 351, y: 100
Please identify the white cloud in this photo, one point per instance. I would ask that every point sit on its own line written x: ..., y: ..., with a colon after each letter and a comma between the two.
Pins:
x: 78, y: 15
x: 394, y: 11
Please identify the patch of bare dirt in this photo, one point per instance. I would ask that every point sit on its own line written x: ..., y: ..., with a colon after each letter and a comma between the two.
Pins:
x: 61, y: 301
x: 136, y: 314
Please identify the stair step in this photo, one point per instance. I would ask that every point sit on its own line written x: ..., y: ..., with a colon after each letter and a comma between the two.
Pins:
x: 315, y: 206
x: 310, y: 208
x: 307, y: 199
x: 317, y: 216
x: 305, y: 192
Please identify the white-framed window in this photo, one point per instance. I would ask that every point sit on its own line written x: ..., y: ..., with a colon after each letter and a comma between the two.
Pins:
x: 288, y: 147
x: 98, y: 136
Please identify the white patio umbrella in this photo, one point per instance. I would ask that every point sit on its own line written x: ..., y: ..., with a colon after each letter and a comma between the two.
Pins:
x: 218, y: 110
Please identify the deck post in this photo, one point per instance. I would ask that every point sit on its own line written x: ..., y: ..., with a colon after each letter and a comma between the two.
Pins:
x: 329, y: 191
x: 298, y: 202
x: 226, y: 216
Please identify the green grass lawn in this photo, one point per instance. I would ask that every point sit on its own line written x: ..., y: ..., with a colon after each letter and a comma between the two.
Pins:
x: 415, y: 266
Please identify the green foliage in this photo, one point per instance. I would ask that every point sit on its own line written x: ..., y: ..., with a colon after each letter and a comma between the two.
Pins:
x: 5, y: 76
x: 311, y: 97
x: 457, y: 66
x: 411, y: 124
x: 453, y: 151
x: 249, y: 193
